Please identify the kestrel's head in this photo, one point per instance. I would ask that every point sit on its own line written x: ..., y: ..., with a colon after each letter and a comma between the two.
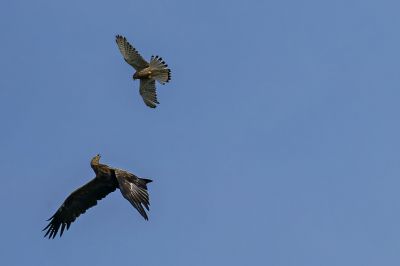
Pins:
x: 135, y: 76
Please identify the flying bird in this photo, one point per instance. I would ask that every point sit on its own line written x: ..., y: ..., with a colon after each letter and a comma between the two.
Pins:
x: 107, y: 180
x: 148, y: 73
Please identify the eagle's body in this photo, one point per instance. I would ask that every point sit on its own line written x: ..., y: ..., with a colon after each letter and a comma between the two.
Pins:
x: 146, y: 72
x: 107, y: 180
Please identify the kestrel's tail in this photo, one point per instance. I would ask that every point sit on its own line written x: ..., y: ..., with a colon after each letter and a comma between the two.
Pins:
x: 160, y: 69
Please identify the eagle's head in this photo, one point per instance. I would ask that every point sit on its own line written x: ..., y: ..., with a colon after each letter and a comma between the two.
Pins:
x: 95, y: 159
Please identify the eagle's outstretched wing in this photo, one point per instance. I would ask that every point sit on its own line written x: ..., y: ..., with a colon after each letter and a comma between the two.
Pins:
x: 134, y: 189
x: 148, y: 92
x: 78, y: 202
x: 130, y: 54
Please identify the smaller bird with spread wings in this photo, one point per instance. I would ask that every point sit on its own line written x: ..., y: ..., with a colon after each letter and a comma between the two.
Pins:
x: 148, y: 73
x: 107, y: 180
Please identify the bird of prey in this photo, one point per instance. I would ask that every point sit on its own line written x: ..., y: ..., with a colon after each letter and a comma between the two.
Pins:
x: 148, y: 73
x: 107, y: 179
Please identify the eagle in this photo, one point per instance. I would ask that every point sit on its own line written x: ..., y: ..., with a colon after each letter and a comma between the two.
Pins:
x: 107, y: 180
x: 147, y: 72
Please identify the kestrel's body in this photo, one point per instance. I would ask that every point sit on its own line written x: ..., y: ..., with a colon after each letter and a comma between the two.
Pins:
x: 146, y: 72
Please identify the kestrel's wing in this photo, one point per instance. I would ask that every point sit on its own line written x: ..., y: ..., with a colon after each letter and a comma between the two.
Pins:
x: 134, y: 189
x: 77, y: 203
x: 148, y: 92
x: 130, y: 54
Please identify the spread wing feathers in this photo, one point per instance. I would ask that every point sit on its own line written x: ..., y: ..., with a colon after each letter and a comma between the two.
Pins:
x: 130, y: 54
x: 134, y: 189
x: 77, y: 203
x: 148, y: 92
x: 160, y: 69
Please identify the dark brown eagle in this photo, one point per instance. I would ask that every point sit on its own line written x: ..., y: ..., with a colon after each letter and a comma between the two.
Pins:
x: 107, y: 179
x: 147, y: 72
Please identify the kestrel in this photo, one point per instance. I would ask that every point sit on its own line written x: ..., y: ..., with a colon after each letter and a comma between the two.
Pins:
x: 107, y: 180
x: 148, y: 73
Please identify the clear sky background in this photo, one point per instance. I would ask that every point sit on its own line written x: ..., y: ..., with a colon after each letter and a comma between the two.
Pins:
x: 275, y: 143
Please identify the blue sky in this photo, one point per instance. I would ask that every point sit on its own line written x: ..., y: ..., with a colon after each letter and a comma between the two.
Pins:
x: 275, y: 143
